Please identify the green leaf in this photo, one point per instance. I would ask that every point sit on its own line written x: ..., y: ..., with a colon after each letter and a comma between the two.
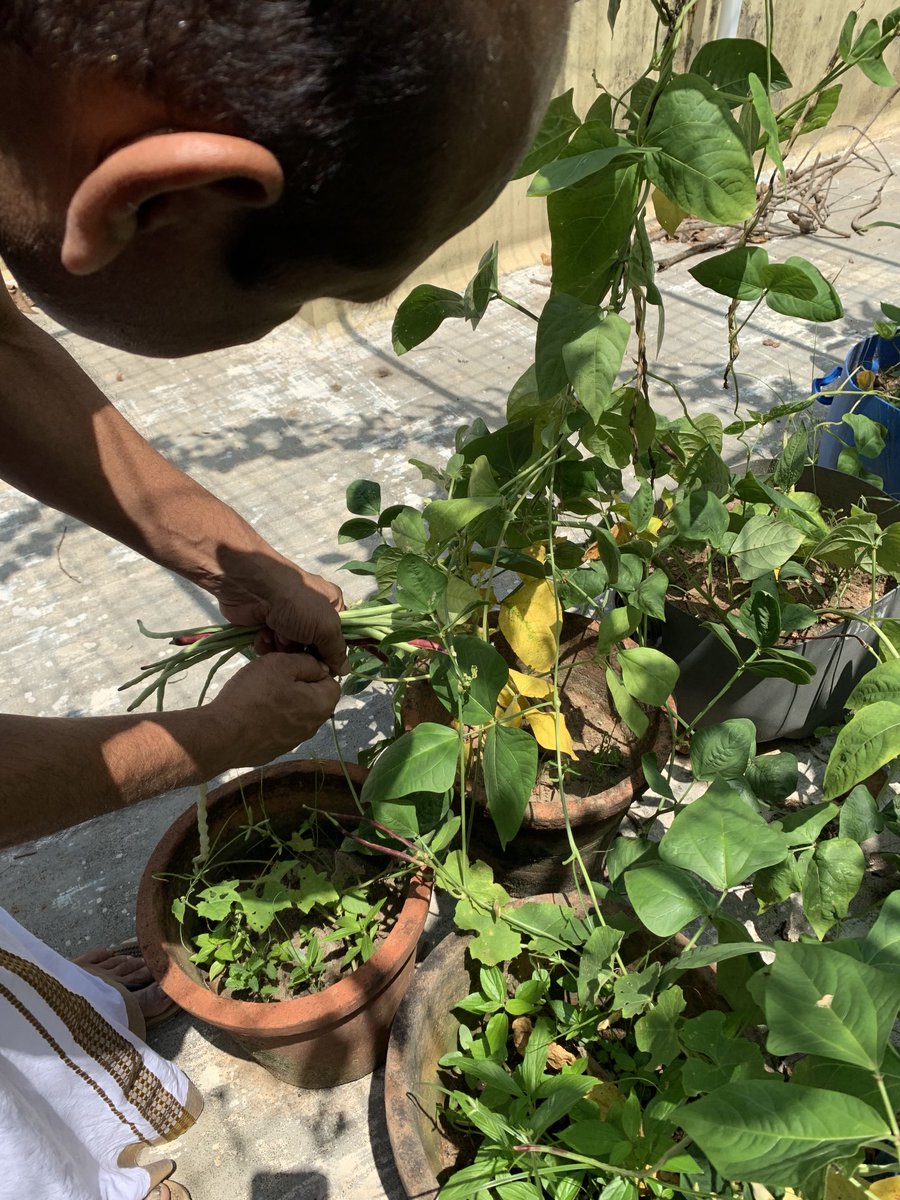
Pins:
x: 860, y: 818
x: 773, y: 777
x: 699, y: 158
x: 559, y: 123
x: 656, y: 1033
x: 591, y: 223
x: 565, y: 172
x: 768, y: 121
x: 666, y: 898
x: 819, y: 1001
x: 482, y: 287
x: 423, y: 760
x: 824, y: 306
x: 364, y: 498
x: 421, y: 313
x: 595, y: 966
x: 868, y: 436
x: 419, y: 584
x: 869, y: 740
x: 630, y: 712
x: 724, y: 750
x: 593, y: 360
x: 649, y: 596
x: 888, y: 552
x: 648, y: 675
x: 784, y: 280
x: 356, y: 530
x: 563, y: 320
x: 792, y: 459
x: 473, y: 678
x: 722, y: 840
x: 705, y: 956
x: 832, y: 879
x: 764, y: 544
x: 881, y: 945
x: 821, y: 112
x: 510, y: 765
x: 701, y: 517
x: 727, y: 63
x: 617, y: 624
x: 737, y: 273
x: 447, y: 517
x: 777, y: 1134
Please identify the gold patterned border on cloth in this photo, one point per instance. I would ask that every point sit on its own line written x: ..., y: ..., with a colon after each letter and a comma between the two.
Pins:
x: 109, y: 1049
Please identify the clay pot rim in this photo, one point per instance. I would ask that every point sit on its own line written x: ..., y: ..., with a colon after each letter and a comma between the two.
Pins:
x: 338, y: 1002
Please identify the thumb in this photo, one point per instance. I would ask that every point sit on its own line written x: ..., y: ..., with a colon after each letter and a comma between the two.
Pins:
x: 306, y: 669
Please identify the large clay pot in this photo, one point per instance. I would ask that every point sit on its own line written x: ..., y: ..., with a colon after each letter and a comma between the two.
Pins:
x: 316, y: 1041
x: 534, y: 861
x: 425, y: 1030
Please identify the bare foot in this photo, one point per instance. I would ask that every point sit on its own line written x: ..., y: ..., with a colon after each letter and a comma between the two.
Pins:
x: 128, y: 971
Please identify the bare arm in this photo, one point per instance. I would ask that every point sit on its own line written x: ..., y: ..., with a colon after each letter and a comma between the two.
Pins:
x: 62, y: 442
x: 56, y: 772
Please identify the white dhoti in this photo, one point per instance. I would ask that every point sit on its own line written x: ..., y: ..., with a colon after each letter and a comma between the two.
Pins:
x: 78, y: 1090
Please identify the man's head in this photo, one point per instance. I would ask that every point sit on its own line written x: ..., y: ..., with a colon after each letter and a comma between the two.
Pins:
x: 181, y: 174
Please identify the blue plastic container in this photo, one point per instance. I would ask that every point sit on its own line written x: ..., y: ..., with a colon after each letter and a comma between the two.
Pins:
x: 839, y: 391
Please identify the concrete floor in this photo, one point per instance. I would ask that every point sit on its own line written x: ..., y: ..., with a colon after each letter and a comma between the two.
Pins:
x: 278, y: 429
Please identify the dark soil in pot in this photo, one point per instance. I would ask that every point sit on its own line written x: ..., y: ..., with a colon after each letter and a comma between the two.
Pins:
x: 317, y: 1040
x: 604, y: 784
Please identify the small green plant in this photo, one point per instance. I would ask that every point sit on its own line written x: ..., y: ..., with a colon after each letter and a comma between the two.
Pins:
x: 274, y: 917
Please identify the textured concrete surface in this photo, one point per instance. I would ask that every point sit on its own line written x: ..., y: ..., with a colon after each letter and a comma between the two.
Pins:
x: 278, y: 429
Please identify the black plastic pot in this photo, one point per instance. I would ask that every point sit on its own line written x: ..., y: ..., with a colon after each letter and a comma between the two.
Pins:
x: 777, y: 708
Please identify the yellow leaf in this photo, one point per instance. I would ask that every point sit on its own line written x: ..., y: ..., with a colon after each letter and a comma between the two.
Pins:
x: 604, y: 1095
x: 668, y: 213
x: 864, y: 381
x: 886, y: 1189
x: 530, y: 620
x: 530, y: 685
x: 508, y: 703
x: 543, y: 726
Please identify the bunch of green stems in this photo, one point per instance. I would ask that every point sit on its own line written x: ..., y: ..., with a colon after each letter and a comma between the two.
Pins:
x: 370, y: 621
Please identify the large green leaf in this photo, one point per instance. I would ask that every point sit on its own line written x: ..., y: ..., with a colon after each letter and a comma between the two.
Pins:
x: 648, y: 675
x: 589, y: 223
x: 724, y: 750
x: 881, y: 683
x: 701, y: 517
x: 563, y: 320
x: 728, y: 62
x: 881, y: 945
x: 869, y: 740
x: 832, y: 879
x: 593, y: 360
x: 656, y: 1033
x: 699, y: 158
x: 722, y: 840
x: 736, y: 273
x: 447, y: 517
x: 510, y: 765
x: 764, y: 544
x: 566, y: 172
x: 559, y: 123
x: 422, y: 760
x: 666, y: 898
x: 420, y: 314
x: 419, y: 584
x: 775, y: 1134
x: 819, y: 1001
x: 825, y: 305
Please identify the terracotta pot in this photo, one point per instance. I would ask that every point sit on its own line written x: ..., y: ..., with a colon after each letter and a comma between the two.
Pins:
x: 425, y: 1029
x: 533, y: 862
x: 316, y: 1041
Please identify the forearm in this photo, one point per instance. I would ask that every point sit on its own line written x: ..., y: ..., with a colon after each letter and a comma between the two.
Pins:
x: 57, y: 772
x: 62, y: 442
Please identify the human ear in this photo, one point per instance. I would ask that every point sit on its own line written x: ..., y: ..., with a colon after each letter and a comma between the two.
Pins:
x: 136, y: 188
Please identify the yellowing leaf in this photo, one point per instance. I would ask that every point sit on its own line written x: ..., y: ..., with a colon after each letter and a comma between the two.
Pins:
x: 886, y: 1189
x: 668, y: 213
x: 543, y: 726
x: 508, y: 703
x: 604, y: 1095
x: 530, y: 685
x: 530, y: 620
